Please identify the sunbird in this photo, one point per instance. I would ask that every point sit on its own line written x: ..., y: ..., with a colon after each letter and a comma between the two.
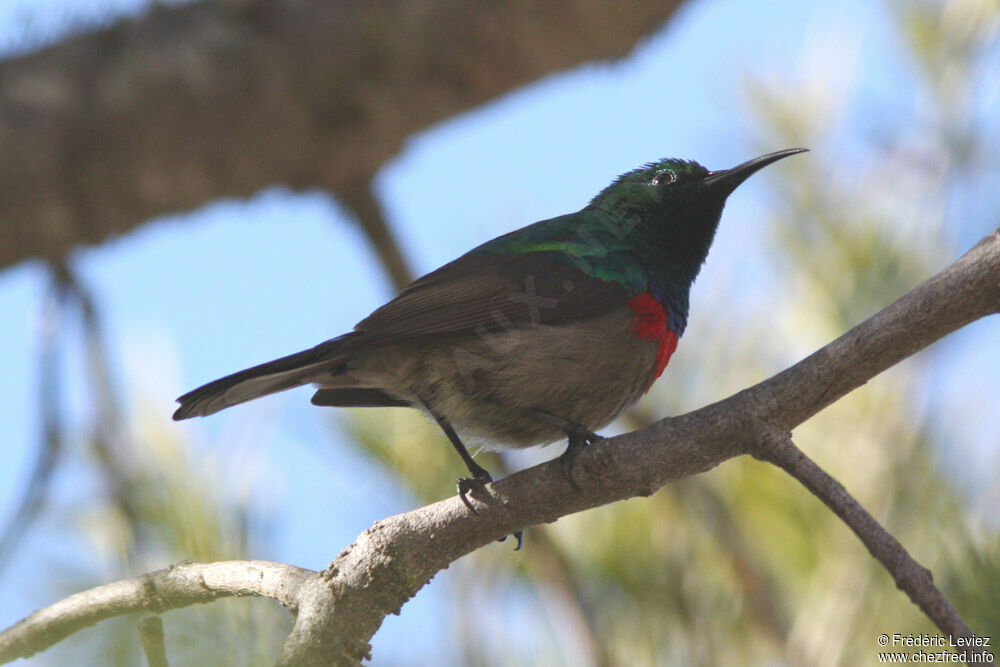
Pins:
x: 544, y: 333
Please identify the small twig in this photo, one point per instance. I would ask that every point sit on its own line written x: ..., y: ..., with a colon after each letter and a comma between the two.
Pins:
x: 109, y: 441
x: 151, y: 636
x: 50, y: 409
x: 775, y: 446
x: 67, y: 291
x: 363, y: 203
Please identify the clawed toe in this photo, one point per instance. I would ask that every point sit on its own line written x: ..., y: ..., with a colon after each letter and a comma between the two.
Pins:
x: 465, y: 485
x: 577, y: 442
x: 519, y: 536
x: 578, y: 436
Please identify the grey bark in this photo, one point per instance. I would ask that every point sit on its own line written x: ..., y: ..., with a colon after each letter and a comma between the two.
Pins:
x: 160, y: 114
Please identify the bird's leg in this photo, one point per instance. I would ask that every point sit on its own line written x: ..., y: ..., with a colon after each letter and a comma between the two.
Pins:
x: 578, y: 436
x: 480, y: 476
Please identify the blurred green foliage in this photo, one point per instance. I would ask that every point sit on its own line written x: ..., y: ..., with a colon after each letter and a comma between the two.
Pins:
x: 168, y: 505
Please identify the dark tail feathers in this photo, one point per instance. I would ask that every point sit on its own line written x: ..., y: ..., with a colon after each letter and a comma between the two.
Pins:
x: 357, y: 397
x: 284, y: 373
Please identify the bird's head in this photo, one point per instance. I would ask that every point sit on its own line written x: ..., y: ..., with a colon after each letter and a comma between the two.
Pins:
x: 680, y: 188
x: 666, y: 213
x: 669, y: 209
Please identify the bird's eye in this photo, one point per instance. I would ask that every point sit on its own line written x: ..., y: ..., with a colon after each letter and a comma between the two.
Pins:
x: 664, y: 178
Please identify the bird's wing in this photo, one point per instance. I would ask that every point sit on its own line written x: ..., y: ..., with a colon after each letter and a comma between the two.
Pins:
x: 492, y: 292
x: 480, y: 292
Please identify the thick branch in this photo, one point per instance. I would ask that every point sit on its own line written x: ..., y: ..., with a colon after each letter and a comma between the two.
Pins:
x: 203, y: 100
x: 962, y: 293
x: 178, y: 586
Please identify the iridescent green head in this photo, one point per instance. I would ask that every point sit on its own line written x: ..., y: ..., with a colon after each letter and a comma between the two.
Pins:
x: 667, y: 171
x: 671, y: 180
x: 651, y: 185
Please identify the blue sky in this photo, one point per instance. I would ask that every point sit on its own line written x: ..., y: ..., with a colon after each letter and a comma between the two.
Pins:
x: 197, y: 295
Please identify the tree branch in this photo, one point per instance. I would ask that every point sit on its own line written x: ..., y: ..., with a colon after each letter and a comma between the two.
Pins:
x: 53, y: 429
x: 174, y: 587
x: 338, y: 611
x: 151, y: 637
x: 911, y: 577
x: 204, y: 100
x: 368, y: 210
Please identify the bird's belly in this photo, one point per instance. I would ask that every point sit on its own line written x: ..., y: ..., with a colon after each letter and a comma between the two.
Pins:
x: 587, y: 373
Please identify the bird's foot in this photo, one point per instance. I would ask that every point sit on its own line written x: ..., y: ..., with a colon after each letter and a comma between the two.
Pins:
x: 465, y: 485
x: 578, y: 435
x: 519, y: 536
x: 480, y: 476
x: 477, y: 483
x: 577, y: 442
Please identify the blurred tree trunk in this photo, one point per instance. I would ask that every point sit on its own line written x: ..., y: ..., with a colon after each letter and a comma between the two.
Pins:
x: 189, y: 103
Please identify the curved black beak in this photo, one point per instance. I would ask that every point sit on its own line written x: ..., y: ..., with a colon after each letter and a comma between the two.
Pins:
x: 725, y: 181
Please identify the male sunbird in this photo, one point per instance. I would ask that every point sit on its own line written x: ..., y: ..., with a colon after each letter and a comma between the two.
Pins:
x: 547, y: 332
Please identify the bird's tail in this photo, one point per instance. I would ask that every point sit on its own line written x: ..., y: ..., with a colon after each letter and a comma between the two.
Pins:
x: 284, y: 373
